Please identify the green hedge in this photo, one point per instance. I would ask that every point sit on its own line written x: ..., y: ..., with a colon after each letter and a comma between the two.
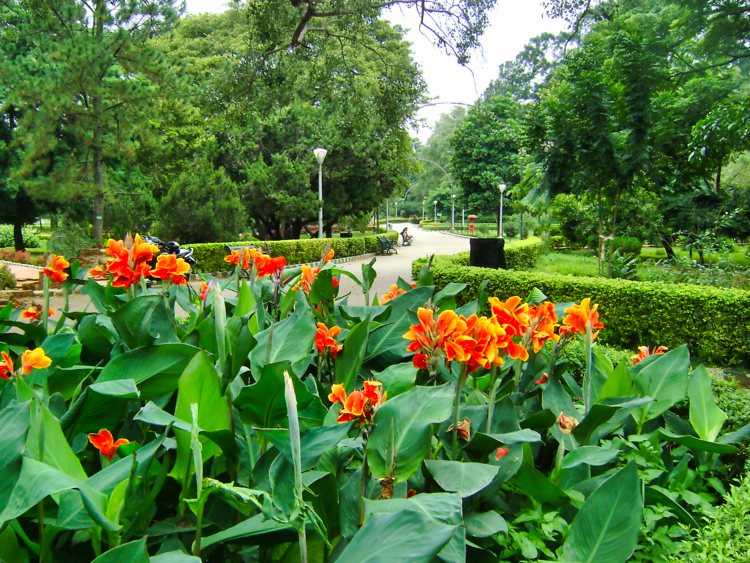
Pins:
x: 712, y: 321
x: 523, y: 254
x: 726, y: 537
x: 210, y: 256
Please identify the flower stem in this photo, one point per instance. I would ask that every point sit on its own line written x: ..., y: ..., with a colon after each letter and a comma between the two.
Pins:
x: 587, y: 399
x: 45, y: 307
x: 457, y: 406
x: 494, y: 382
x: 363, y: 482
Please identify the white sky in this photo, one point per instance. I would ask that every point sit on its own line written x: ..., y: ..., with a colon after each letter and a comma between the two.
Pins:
x: 512, y: 24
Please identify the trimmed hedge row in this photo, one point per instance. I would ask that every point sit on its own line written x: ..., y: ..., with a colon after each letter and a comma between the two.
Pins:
x: 712, y: 321
x: 523, y: 254
x: 727, y: 536
x: 210, y: 256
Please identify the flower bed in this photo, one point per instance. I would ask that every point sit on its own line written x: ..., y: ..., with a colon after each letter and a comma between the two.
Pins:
x: 271, y: 421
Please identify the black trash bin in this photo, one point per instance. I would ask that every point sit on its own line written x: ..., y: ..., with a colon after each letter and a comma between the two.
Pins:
x: 487, y: 253
x: 345, y: 234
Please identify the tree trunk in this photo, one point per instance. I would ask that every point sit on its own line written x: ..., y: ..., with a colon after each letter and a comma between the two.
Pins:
x: 668, y: 248
x: 717, y: 180
x: 18, y: 236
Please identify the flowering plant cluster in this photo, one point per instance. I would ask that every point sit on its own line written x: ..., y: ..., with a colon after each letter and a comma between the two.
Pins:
x: 247, y: 418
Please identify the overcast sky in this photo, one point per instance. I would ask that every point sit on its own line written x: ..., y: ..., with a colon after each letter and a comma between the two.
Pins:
x: 512, y: 24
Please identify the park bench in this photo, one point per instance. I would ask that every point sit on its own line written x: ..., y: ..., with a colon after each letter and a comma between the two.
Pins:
x: 386, y: 246
x: 406, y: 240
x: 241, y: 249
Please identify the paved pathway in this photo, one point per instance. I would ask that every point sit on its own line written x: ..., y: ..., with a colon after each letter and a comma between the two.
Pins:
x: 388, y: 268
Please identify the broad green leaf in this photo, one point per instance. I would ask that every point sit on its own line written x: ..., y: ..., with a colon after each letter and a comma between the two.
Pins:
x: 657, y: 495
x: 607, y: 526
x: 10, y: 549
x: 291, y: 340
x: 199, y: 384
x: 484, y: 524
x: 412, y: 535
x: 739, y: 435
x: 618, y: 384
x: 144, y: 321
x: 665, y: 379
x: 401, y: 437
x: 589, y: 428
x: 706, y: 418
x: 397, y: 378
x: 132, y: 552
x: 155, y: 369
x: 536, y: 485
x: 441, y: 508
x: 589, y: 455
x: 315, y: 442
x: 349, y: 360
x: 14, y: 421
x: 97, y: 336
x: 174, y: 557
x: 101, y: 405
x: 697, y: 444
x: 262, y: 404
x: 56, y: 451
x: 252, y: 530
x: 446, y: 297
x: 460, y: 477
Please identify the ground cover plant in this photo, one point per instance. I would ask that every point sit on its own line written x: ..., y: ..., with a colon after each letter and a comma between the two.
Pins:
x: 266, y: 420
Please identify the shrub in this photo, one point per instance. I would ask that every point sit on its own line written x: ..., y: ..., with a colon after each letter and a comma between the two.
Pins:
x: 727, y: 536
x: 733, y: 400
x: 70, y: 240
x: 30, y: 237
x: 627, y: 245
x: 7, y: 279
x: 210, y: 256
x: 523, y: 254
x: 713, y: 322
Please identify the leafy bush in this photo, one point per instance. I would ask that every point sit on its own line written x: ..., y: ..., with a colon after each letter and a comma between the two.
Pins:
x: 726, y: 536
x: 623, y: 265
x: 30, y: 237
x: 712, y: 321
x: 523, y: 254
x: 733, y: 400
x: 70, y: 240
x: 210, y: 256
x: 22, y: 257
x: 627, y: 245
x: 7, y: 279
x: 575, y: 358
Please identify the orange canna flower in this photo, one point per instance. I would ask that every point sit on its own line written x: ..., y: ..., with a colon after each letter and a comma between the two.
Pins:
x: 501, y: 453
x: 542, y: 324
x: 55, y: 268
x: 97, y: 272
x: 34, y: 313
x: 328, y: 257
x: 203, y: 290
x: 359, y: 405
x: 644, y: 352
x: 481, y: 342
x: 104, y: 442
x: 267, y: 266
x: 325, y: 339
x: 129, y: 259
x: 306, y: 279
x: 6, y: 366
x: 169, y: 267
x: 394, y: 292
x: 512, y: 314
x: 34, y: 359
x: 581, y: 316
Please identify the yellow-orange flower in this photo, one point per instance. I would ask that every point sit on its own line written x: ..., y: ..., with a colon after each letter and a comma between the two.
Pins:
x: 105, y: 443
x: 514, y: 318
x: 579, y: 317
x: 358, y: 404
x: 542, y: 324
x: 6, y: 366
x: 34, y: 359
x: 97, y: 272
x: 245, y: 256
x: 394, y: 292
x: 306, y: 279
x: 34, y: 313
x: 169, y: 267
x: 432, y: 337
x: 325, y: 339
x: 328, y: 257
x: 644, y: 352
x: 481, y: 342
x: 129, y: 259
x: 55, y: 268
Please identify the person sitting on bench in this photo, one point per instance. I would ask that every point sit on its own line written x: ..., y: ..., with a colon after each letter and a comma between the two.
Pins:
x: 406, y: 237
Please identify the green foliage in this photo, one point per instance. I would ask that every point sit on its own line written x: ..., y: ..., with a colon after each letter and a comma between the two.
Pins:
x: 627, y: 245
x: 70, y: 240
x: 203, y: 205
x: 712, y: 321
x: 7, y: 279
x: 523, y: 254
x: 210, y: 256
x: 725, y: 536
x: 733, y: 400
x: 29, y: 236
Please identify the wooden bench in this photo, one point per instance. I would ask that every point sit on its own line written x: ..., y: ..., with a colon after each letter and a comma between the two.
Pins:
x: 241, y: 249
x: 386, y: 246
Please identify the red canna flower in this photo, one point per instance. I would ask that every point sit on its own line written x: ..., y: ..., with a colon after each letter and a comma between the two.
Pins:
x: 6, y: 366
x: 34, y: 359
x: 643, y: 353
x: 34, y: 313
x: 581, y: 316
x: 203, y: 290
x: 129, y: 259
x: 104, y: 442
x: 55, y: 268
x: 325, y: 339
x: 169, y: 267
x: 501, y: 453
x: 267, y: 266
x: 543, y: 379
x: 394, y: 292
x: 420, y: 361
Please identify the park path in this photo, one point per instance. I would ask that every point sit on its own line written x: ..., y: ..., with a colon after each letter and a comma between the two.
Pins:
x: 388, y: 267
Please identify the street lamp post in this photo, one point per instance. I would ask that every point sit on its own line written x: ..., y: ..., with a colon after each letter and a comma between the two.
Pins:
x: 320, y: 156
x: 423, y: 215
x: 435, y: 202
x: 453, y: 212
x: 501, y: 187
